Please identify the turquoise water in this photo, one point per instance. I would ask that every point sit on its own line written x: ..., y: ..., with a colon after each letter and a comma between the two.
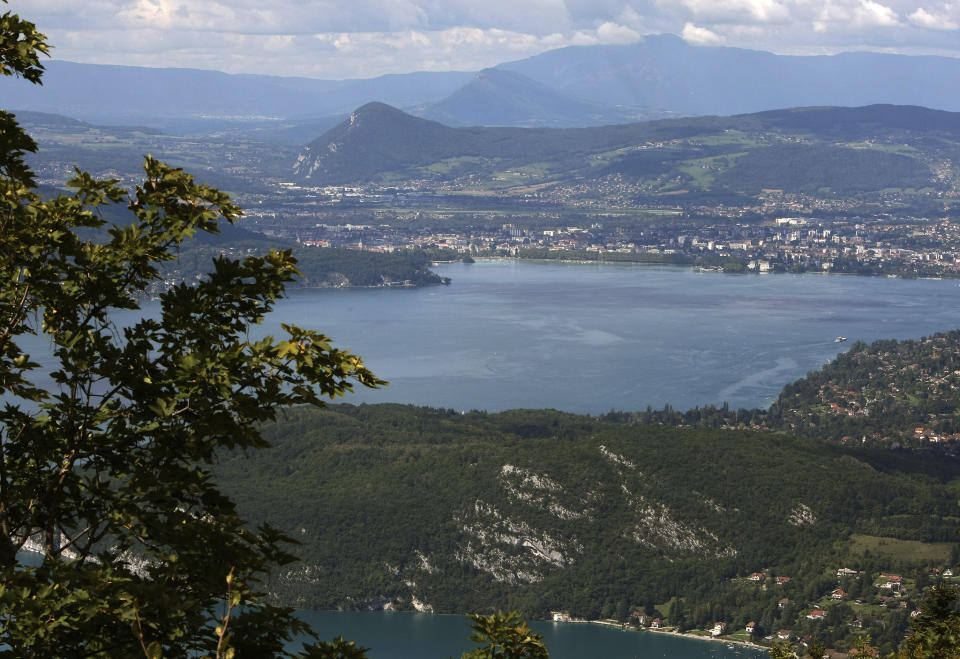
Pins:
x: 588, y: 338
x: 424, y: 636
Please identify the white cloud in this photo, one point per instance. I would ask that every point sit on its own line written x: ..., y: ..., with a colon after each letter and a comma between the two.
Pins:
x: 870, y: 14
x: 700, y: 36
x: 932, y: 20
x: 734, y: 11
x: 859, y: 15
x: 371, y: 37
x: 611, y: 33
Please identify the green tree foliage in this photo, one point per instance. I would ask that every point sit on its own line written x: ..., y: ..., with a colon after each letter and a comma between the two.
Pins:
x: 816, y: 649
x: 780, y: 651
x: 935, y: 633
x: 814, y: 168
x: 105, y: 459
x: 505, y: 636
x: 338, y: 648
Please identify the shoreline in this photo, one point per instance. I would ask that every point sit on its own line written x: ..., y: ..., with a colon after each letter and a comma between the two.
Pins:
x: 714, y: 639
x: 715, y: 269
x: 671, y: 632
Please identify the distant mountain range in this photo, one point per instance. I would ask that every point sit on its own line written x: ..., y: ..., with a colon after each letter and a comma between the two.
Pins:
x: 577, y: 86
x: 666, y: 73
x: 832, y: 150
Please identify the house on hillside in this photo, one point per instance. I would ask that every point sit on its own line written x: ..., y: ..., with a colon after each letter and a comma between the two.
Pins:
x: 817, y: 614
x: 838, y: 594
x: 891, y: 581
x: 750, y: 627
x: 718, y: 628
x: 756, y: 576
x: 846, y: 572
x: 560, y: 616
x: 783, y: 580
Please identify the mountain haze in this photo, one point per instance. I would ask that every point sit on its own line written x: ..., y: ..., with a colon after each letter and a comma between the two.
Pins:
x: 498, y: 97
x: 172, y: 97
x: 576, y: 86
x: 667, y: 73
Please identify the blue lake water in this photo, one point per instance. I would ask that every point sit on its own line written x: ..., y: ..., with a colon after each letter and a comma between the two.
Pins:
x: 588, y: 338
x: 425, y: 636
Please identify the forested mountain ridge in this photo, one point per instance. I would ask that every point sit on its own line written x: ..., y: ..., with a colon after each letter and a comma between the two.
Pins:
x: 828, y: 151
x: 542, y: 510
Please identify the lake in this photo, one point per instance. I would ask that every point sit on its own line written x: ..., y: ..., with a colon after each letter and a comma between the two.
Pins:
x: 589, y: 337
x: 425, y: 636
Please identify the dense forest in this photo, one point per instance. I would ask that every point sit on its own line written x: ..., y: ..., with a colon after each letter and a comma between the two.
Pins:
x: 542, y: 510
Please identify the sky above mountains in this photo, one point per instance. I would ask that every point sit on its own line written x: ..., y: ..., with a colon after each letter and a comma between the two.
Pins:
x: 363, y: 38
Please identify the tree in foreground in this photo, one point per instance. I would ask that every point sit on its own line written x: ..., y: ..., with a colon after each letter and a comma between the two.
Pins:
x: 105, y: 456
x: 935, y: 633
x: 505, y: 636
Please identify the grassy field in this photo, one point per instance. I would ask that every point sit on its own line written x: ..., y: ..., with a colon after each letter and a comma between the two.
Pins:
x: 901, y: 550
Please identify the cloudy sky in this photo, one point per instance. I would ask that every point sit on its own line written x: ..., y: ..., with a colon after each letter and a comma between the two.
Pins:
x: 364, y: 38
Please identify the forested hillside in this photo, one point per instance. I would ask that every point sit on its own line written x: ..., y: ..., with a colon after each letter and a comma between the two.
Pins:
x: 542, y: 510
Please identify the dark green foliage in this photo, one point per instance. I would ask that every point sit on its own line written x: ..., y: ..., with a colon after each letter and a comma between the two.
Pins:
x: 381, y: 495
x: 106, y: 472
x: 811, y: 168
x: 327, y: 266
x: 319, y: 266
x: 504, y: 636
x: 338, y: 648
x: 935, y: 633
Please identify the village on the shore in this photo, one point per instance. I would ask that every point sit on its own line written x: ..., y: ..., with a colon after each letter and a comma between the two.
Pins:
x: 861, y: 603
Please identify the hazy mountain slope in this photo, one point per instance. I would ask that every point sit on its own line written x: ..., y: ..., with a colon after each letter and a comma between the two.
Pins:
x: 666, y: 73
x: 377, y: 139
x: 103, y: 93
x: 581, y: 85
x: 497, y: 97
